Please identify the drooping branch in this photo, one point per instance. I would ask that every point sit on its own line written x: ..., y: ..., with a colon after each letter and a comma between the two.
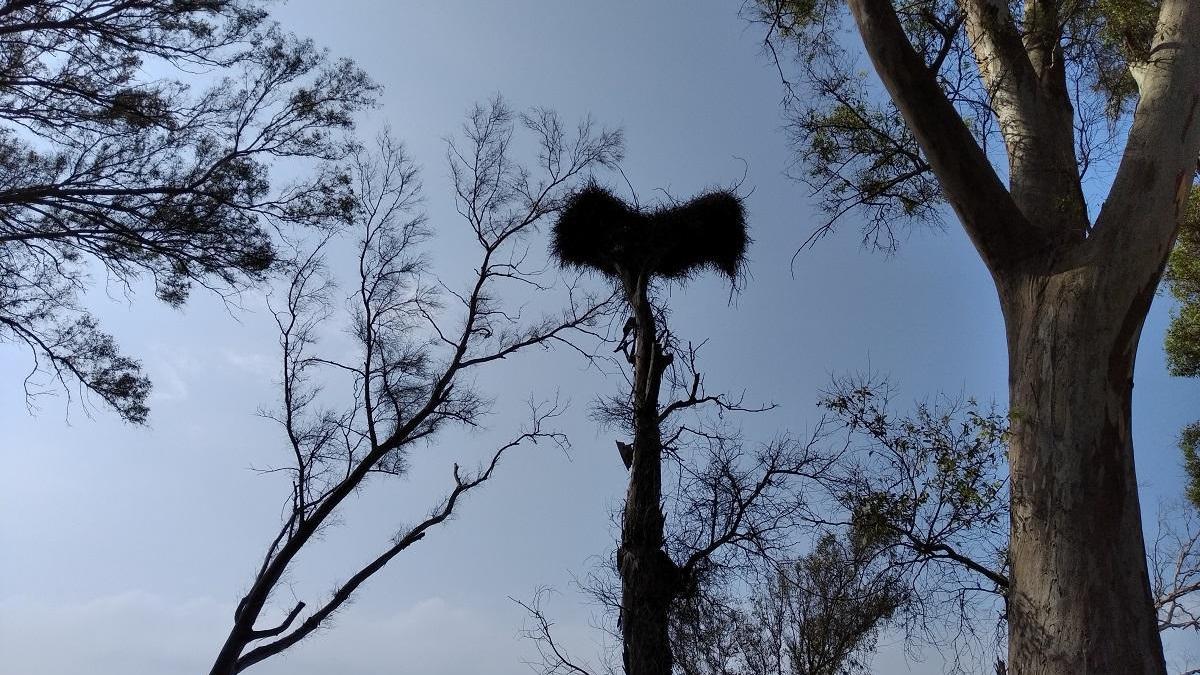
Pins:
x: 554, y: 658
x: 162, y: 178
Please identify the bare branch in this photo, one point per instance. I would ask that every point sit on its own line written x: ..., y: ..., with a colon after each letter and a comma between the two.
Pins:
x: 407, y: 379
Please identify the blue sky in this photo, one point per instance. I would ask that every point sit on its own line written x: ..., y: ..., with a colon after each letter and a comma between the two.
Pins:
x: 126, y: 548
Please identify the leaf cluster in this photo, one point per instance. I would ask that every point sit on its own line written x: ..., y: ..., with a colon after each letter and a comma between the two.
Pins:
x: 927, y: 491
x: 820, y: 614
x: 1182, y: 279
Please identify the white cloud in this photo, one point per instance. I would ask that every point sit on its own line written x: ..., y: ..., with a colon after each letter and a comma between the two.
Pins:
x: 252, y: 363
x: 171, y: 369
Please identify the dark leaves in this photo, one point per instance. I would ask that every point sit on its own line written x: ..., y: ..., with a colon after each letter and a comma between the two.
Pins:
x: 160, y: 179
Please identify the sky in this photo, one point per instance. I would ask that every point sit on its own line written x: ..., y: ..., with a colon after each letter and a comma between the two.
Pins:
x: 124, y: 549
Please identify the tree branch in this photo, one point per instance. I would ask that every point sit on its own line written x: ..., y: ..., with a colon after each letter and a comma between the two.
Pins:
x: 999, y: 230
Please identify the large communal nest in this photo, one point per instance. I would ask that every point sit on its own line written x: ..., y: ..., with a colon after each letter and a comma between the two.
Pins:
x: 599, y: 231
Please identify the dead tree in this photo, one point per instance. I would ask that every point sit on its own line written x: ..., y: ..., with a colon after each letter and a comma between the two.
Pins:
x: 633, y: 248
x: 734, y: 514
x: 412, y: 374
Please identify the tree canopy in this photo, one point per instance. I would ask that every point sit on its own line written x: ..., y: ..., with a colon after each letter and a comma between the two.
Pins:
x: 137, y: 140
x: 858, y: 154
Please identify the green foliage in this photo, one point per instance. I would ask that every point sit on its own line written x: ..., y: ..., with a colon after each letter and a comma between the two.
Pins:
x: 944, y: 462
x: 822, y: 615
x: 928, y: 493
x: 1182, y: 279
x: 1102, y: 39
x: 1189, y: 443
x: 818, y: 615
x: 1182, y: 342
x: 856, y: 152
x: 860, y: 155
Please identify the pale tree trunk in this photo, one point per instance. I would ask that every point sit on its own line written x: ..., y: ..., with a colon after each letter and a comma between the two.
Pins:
x: 1079, y: 600
x: 1074, y: 299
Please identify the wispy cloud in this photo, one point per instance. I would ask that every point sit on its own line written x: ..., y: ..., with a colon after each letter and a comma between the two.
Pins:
x: 254, y: 363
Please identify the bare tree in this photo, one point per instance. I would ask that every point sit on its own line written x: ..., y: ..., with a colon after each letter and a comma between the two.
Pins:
x: 412, y: 375
x: 735, y: 517
x: 1175, y: 567
x: 110, y: 169
x: 1039, y: 77
x: 553, y: 657
x: 731, y: 507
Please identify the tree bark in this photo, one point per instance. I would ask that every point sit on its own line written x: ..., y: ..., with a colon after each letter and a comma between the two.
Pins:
x: 1080, y: 599
x: 1074, y: 300
x: 649, y: 578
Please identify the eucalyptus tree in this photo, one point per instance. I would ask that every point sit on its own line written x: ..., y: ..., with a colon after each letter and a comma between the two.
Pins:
x: 1058, y: 84
x: 137, y: 141
x: 418, y: 346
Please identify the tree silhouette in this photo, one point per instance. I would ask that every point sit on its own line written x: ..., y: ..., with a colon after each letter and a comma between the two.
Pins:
x: 632, y: 247
x: 418, y: 346
x: 136, y: 141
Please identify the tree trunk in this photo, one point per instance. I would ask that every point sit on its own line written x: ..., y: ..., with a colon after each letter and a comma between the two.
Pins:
x: 1074, y: 302
x: 648, y: 576
x: 226, y: 662
x: 1080, y: 598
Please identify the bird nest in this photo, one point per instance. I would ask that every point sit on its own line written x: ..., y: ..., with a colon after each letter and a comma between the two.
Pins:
x: 597, y: 230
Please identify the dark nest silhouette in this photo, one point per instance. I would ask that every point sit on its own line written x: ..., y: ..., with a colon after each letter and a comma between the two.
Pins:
x: 597, y: 230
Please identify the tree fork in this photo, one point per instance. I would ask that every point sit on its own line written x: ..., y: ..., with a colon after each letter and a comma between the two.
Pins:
x: 1074, y: 309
